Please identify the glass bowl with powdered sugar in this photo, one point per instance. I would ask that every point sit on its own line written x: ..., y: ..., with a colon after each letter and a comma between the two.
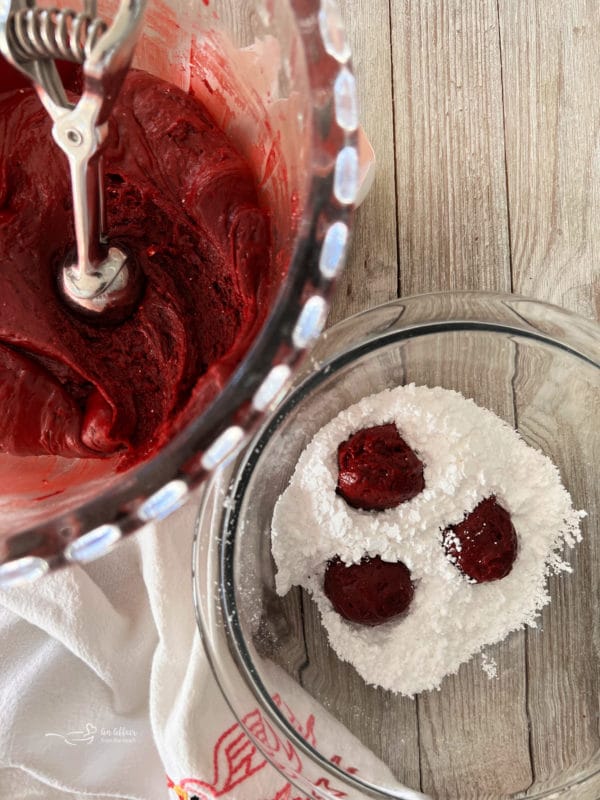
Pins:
x: 479, y: 677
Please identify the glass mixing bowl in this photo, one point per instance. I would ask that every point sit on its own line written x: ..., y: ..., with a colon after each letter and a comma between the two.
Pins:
x: 277, y: 78
x: 532, y: 731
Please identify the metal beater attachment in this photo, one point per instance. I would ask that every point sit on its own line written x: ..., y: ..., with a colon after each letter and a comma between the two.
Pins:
x: 99, y: 280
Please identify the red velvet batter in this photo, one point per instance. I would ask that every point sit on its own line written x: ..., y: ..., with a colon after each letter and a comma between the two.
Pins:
x: 487, y: 540
x: 183, y: 202
x: 378, y: 470
x: 370, y: 592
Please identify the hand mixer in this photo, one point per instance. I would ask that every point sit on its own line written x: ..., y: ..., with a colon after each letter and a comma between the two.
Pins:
x: 99, y: 280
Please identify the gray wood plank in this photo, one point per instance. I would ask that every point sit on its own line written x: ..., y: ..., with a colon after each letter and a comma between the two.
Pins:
x: 370, y: 277
x: 452, y: 207
x: 550, y: 64
x: 453, y: 229
x: 563, y: 653
x: 445, y: 80
x: 551, y: 69
x: 474, y: 731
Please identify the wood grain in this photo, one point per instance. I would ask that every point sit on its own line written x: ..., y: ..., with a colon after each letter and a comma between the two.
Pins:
x: 474, y: 738
x: 549, y: 58
x: 563, y: 685
x: 551, y: 64
x: 453, y: 226
x: 371, y: 276
x: 451, y: 184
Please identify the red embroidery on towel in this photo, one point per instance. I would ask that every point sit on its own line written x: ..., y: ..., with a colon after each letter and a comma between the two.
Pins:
x: 306, y: 731
x: 337, y: 760
x: 236, y: 759
x: 324, y: 782
x: 286, y: 794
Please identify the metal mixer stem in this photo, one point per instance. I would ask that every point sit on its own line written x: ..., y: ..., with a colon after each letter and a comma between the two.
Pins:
x: 96, y: 266
x: 99, y: 279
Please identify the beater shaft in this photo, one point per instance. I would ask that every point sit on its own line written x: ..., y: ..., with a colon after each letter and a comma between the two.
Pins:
x: 99, y: 279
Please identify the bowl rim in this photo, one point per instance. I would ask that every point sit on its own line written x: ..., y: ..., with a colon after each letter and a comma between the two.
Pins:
x: 153, y: 489
x: 580, y: 339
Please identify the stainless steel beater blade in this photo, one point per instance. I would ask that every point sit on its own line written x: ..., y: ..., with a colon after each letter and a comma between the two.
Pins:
x: 101, y: 279
x: 93, y: 283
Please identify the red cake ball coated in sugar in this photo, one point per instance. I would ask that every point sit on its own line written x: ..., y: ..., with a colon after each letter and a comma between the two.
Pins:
x: 370, y: 592
x: 484, y: 545
x: 378, y: 469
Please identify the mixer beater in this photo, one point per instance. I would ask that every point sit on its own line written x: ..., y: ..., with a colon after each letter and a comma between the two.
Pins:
x: 99, y: 279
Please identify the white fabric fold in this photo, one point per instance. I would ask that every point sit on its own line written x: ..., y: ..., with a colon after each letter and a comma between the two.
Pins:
x: 105, y: 690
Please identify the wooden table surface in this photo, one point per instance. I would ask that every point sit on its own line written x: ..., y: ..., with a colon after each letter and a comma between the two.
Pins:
x: 485, y: 119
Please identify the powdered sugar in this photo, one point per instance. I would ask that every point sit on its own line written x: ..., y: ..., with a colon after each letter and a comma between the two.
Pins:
x: 489, y: 665
x: 469, y: 454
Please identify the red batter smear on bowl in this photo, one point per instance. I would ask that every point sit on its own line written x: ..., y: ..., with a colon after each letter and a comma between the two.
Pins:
x: 370, y: 592
x: 484, y: 545
x: 378, y: 469
x: 183, y: 202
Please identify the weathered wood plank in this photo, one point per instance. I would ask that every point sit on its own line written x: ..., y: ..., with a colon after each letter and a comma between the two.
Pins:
x: 563, y: 653
x: 370, y: 278
x: 551, y: 69
x: 474, y: 731
x: 451, y: 186
x: 550, y: 57
x: 371, y: 274
x: 453, y: 229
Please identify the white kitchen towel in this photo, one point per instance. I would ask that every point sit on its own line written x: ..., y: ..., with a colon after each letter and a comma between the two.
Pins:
x: 105, y: 691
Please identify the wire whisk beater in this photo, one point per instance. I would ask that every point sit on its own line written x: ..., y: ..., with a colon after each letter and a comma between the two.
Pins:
x: 53, y: 33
